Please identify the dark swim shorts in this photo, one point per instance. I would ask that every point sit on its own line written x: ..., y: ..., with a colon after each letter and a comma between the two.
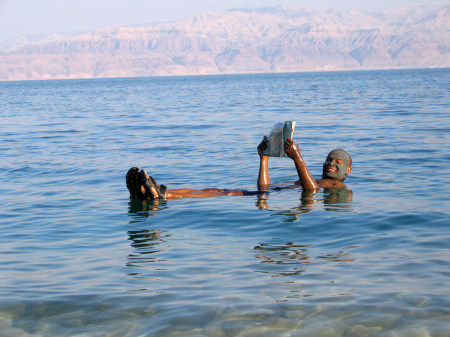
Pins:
x: 253, y: 192
x: 249, y: 193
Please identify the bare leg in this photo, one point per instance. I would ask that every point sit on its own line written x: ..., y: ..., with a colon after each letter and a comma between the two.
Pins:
x: 189, y: 193
x: 190, y: 190
x: 139, y: 191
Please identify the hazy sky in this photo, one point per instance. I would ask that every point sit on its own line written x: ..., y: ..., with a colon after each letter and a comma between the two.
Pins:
x: 18, y: 17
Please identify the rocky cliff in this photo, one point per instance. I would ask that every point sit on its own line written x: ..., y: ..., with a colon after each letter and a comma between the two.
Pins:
x: 281, y: 39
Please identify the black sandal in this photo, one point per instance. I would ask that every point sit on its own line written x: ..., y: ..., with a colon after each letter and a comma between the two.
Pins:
x: 149, y: 183
x: 134, y: 183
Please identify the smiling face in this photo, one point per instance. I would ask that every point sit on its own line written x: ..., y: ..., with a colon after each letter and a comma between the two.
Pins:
x: 337, y: 165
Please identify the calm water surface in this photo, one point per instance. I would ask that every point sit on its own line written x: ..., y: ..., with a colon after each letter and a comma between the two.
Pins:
x: 78, y: 258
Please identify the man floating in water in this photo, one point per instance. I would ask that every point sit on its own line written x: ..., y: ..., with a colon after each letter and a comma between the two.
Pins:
x: 336, y: 167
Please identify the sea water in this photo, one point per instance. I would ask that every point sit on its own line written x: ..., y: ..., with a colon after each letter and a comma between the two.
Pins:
x: 79, y: 258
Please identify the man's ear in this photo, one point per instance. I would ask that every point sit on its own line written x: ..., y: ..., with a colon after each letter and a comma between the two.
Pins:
x: 349, y: 169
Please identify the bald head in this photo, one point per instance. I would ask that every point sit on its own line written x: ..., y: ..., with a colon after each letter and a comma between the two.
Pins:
x: 337, y: 165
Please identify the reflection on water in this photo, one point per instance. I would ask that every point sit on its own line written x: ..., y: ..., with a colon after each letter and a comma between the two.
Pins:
x: 332, y: 199
x: 144, y: 243
x: 283, y: 253
x: 280, y: 259
x: 329, y: 199
x: 296, y: 257
x: 145, y: 208
x: 338, y: 199
x: 320, y: 288
x: 147, y: 242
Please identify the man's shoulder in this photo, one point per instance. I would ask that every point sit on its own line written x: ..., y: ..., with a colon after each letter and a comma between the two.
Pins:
x: 327, y: 183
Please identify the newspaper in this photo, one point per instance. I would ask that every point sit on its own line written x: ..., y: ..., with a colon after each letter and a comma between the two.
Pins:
x: 280, y: 133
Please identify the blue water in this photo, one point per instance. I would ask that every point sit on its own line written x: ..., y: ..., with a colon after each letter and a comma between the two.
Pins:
x: 78, y: 258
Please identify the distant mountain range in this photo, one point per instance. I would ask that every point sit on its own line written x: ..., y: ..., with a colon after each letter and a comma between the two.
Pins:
x: 269, y: 39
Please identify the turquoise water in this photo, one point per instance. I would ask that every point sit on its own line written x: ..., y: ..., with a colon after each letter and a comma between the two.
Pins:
x: 78, y: 258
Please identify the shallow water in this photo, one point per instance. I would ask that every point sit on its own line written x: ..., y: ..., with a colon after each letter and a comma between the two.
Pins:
x: 77, y: 257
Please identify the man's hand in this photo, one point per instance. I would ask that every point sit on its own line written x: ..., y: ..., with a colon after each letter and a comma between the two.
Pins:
x: 262, y: 146
x: 292, y: 149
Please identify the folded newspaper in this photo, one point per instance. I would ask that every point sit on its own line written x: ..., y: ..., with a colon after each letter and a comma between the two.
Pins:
x: 280, y: 132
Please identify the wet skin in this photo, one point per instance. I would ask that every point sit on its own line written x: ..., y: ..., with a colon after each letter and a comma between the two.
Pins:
x: 336, y: 165
x: 195, y: 193
x: 335, y: 169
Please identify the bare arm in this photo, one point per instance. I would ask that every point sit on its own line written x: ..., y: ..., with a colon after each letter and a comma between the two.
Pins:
x: 305, y: 177
x: 263, y: 176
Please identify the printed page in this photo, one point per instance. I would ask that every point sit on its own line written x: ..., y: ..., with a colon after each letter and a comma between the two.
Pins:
x: 280, y: 133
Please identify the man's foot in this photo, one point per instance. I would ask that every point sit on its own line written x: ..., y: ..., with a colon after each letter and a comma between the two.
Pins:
x: 134, y: 184
x: 143, y: 187
x: 152, y: 188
